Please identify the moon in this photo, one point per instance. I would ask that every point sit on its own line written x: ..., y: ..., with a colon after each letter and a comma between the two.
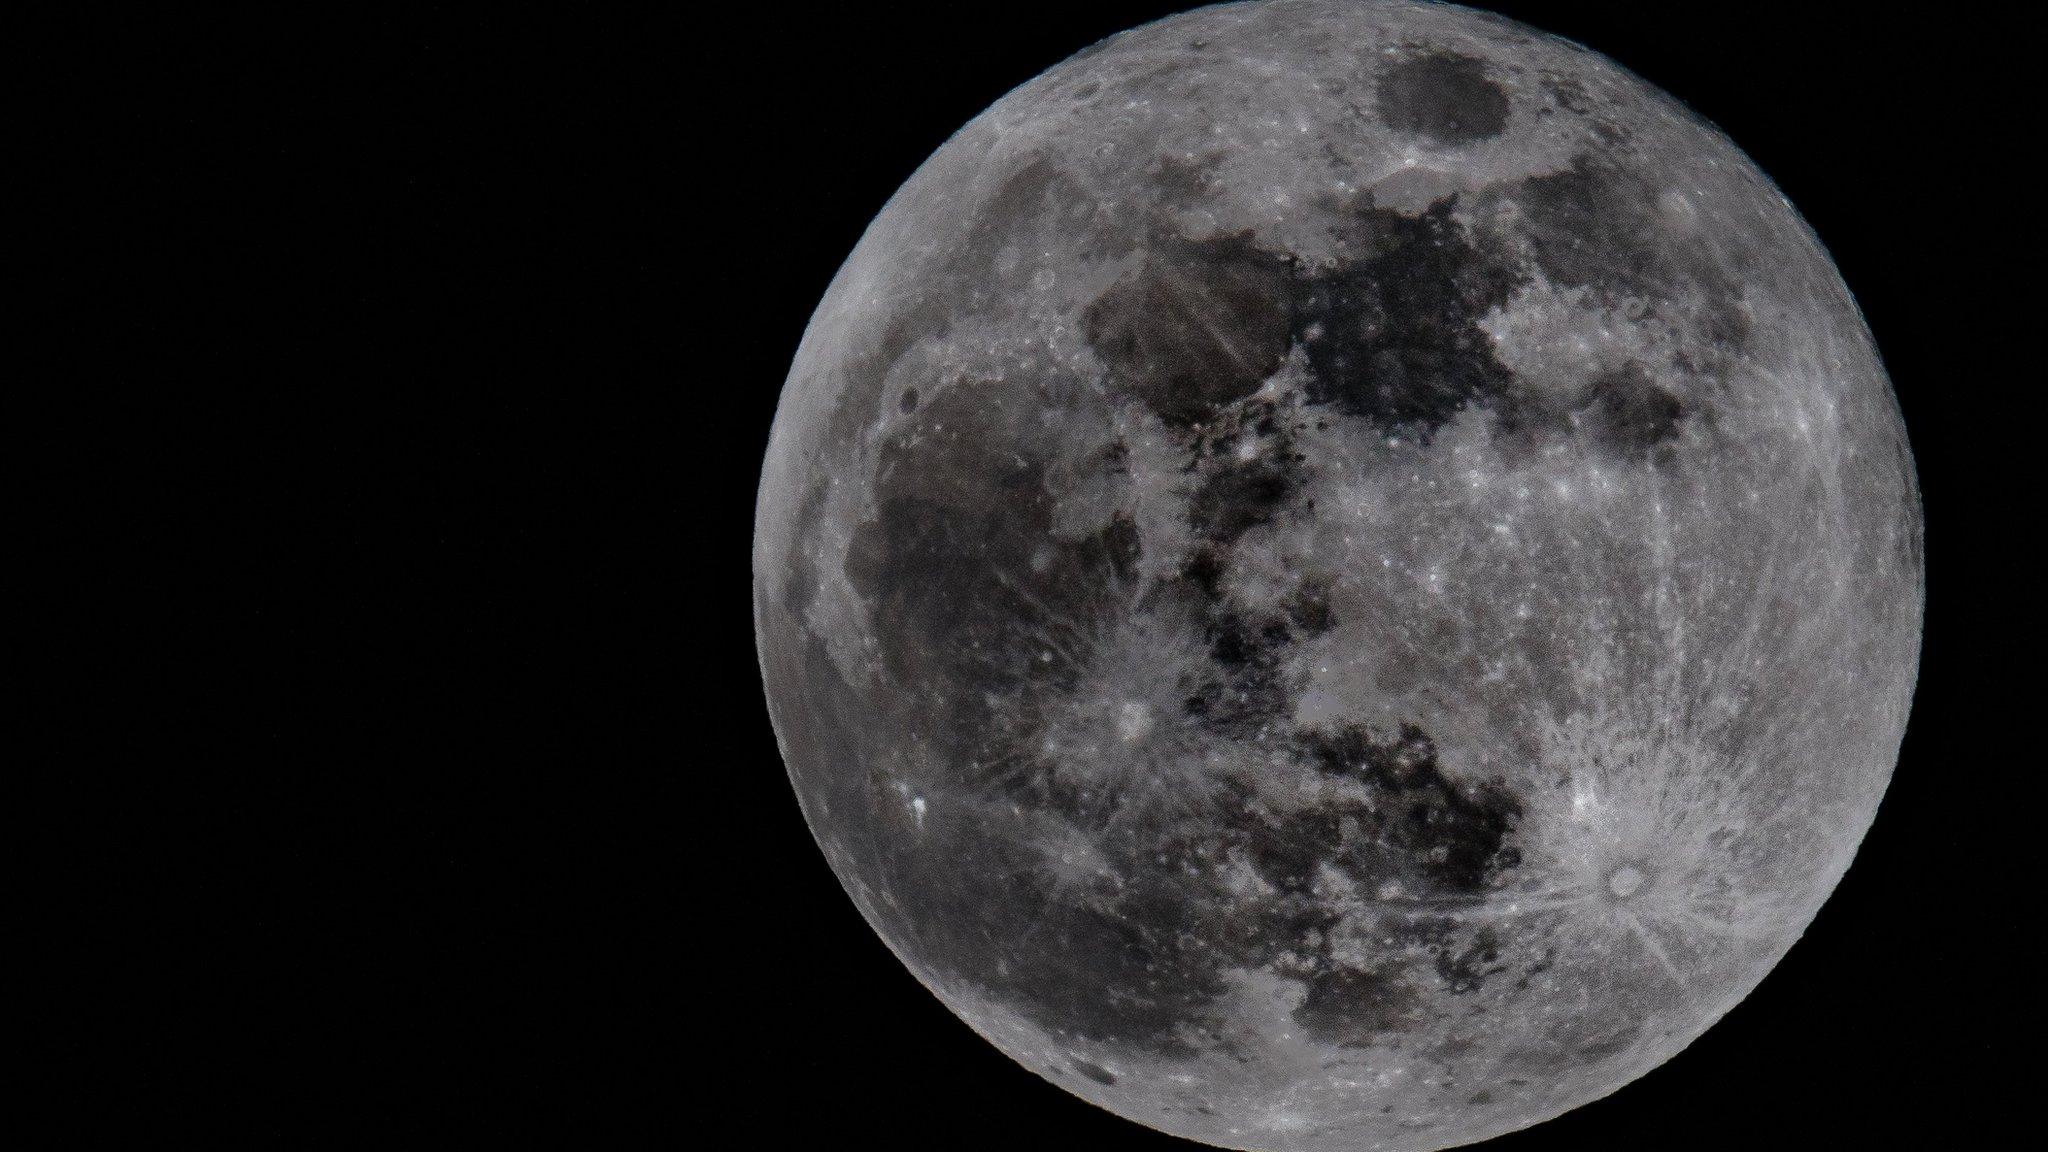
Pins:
x: 1338, y: 575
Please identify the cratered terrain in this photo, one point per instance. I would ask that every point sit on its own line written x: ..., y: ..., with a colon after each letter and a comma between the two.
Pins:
x: 1338, y: 575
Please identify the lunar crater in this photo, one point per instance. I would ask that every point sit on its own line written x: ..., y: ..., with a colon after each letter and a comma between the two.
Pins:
x: 1626, y: 881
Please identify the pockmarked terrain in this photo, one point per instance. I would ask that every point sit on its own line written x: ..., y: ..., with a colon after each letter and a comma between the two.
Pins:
x: 1338, y: 575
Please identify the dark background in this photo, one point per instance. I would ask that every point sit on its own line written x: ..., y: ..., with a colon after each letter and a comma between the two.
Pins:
x: 424, y: 366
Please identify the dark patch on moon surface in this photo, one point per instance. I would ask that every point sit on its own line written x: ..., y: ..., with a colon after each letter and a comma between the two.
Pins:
x: 1365, y: 617
x: 1592, y: 224
x: 1457, y: 832
x: 1443, y: 96
x: 1603, y: 226
x: 1241, y: 496
x: 1348, y: 1007
x: 1394, y: 337
x: 1630, y: 412
x: 1194, y: 327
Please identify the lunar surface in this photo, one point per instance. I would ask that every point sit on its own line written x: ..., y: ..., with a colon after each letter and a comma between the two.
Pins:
x: 1338, y: 575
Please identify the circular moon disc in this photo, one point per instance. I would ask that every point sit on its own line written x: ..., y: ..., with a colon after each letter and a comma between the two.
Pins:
x: 1338, y: 575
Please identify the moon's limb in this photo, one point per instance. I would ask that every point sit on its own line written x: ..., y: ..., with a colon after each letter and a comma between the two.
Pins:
x: 1338, y: 575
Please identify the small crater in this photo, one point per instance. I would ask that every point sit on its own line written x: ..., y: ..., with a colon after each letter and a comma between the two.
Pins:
x: 1133, y: 722
x: 1095, y: 1072
x: 1626, y: 881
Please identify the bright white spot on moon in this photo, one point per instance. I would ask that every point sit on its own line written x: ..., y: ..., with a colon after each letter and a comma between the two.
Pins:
x: 1133, y: 721
x: 1625, y: 881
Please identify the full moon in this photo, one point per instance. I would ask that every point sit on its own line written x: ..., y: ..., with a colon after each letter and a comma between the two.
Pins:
x: 1338, y: 574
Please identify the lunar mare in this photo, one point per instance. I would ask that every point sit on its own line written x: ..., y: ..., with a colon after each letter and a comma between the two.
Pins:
x: 1338, y: 575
